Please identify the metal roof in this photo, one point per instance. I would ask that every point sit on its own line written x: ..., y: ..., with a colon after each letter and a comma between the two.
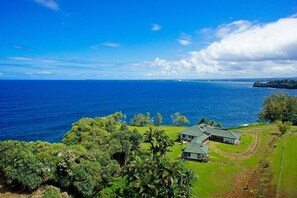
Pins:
x: 194, y: 147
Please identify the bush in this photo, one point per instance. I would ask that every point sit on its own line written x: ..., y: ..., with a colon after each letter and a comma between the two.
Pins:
x: 283, y: 127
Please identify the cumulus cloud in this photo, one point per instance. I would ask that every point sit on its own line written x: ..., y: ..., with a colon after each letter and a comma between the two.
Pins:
x: 243, y: 49
x: 156, y: 27
x: 51, y: 4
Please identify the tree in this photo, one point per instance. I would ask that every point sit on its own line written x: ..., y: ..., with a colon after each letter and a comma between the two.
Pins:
x: 178, y: 119
x: 211, y: 123
x: 141, y: 119
x: 148, y: 119
x: 218, y: 125
x: 279, y: 107
x: 202, y: 121
x: 148, y: 177
x: 283, y: 127
x: 151, y: 174
x: 159, y: 141
x: 159, y: 119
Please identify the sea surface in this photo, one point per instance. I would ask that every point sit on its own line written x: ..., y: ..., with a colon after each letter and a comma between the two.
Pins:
x: 45, y: 110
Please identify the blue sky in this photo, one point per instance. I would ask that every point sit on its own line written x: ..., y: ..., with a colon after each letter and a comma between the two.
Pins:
x: 147, y: 39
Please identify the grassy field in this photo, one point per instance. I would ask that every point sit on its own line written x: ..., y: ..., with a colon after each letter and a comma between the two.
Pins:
x: 245, y: 141
x: 217, y: 177
x: 272, y: 163
x: 285, y: 165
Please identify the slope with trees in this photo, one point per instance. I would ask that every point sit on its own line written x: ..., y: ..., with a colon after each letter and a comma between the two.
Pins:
x: 99, y: 157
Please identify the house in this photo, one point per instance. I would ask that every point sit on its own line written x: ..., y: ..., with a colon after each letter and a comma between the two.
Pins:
x: 196, y: 150
x: 199, y: 135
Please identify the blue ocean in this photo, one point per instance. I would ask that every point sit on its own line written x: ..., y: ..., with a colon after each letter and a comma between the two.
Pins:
x: 45, y: 110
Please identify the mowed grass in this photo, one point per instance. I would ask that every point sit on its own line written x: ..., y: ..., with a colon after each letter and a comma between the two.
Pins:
x: 245, y: 142
x: 289, y: 171
x: 214, y: 178
x: 288, y: 174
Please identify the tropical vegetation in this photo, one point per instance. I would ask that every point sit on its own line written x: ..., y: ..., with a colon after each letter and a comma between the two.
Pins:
x: 98, y: 157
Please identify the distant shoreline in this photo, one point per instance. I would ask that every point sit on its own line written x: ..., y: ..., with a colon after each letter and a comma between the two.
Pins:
x: 277, y: 84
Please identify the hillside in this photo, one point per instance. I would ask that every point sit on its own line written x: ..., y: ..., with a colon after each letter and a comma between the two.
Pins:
x: 262, y: 164
x: 250, y: 169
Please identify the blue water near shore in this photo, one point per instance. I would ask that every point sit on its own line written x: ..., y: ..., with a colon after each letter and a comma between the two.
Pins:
x: 45, y: 110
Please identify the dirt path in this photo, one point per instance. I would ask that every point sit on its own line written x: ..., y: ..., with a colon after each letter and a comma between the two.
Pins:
x: 240, y: 183
x: 255, y: 182
x: 246, y: 153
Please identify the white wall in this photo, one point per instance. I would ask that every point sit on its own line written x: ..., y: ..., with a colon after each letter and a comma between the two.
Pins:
x: 193, y: 156
x: 229, y: 140
x: 187, y: 137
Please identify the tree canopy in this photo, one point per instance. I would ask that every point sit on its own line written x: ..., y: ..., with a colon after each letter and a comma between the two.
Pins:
x: 141, y: 119
x: 210, y: 122
x: 179, y: 119
x: 99, y: 157
x: 279, y: 107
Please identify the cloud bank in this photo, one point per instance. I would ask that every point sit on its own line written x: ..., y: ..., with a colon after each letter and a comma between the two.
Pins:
x: 242, y: 49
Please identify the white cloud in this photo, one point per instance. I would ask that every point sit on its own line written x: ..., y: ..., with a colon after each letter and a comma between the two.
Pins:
x: 243, y: 49
x: 40, y: 60
x: 19, y: 58
x: 184, y: 42
x: 233, y: 28
x: 273, y: 41
x: 185, y: 39
x: 111, y: 44
x: 156, y: 27
x: 17, y: 46
x: 44, y: 73
x: 51, y: 4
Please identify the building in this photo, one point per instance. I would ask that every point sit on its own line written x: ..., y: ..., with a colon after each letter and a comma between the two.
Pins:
x: 199, y: 135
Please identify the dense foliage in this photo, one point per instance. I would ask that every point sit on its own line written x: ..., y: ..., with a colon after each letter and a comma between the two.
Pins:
x: 151, y: 174
x: 99, y: 157
x: 279, y: 107
x: 284, y: 84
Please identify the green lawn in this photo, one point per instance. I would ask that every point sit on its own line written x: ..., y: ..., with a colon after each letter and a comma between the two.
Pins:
x: 211, y: 174
x: 289, y: 167
x: 215, y: 178
x: 245, y: 142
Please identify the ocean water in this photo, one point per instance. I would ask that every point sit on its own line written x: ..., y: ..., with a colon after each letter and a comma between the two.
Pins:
x: 45, y: 110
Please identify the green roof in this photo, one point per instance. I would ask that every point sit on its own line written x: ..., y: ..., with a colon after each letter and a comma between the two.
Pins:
x: 193, y: 131
x: 200, y: 138
x: 201, y: 131
x: 221, y: 132
x: 237, y: 135
x: 193, y: 147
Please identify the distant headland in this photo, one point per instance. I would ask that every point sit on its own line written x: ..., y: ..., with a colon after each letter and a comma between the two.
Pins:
x: 280, y: 84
